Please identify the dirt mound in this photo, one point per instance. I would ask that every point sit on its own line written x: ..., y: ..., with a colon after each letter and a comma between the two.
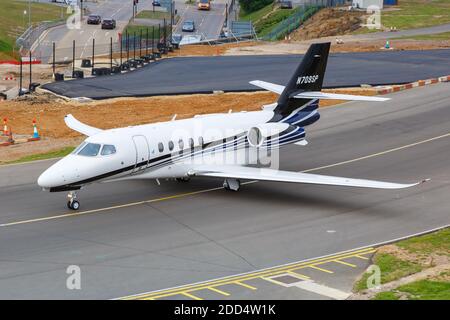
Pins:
x: 329, y: 22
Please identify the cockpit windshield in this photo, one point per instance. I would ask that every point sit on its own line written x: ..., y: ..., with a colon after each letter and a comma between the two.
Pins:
x: 77, y: 149
x: 90, y: 150
x: 93, y: 149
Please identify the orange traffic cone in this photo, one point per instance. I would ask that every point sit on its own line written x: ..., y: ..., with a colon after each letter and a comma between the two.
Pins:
x: 5, y: 127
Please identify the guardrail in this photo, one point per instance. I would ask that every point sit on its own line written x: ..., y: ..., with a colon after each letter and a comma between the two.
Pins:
x: 32, y: 34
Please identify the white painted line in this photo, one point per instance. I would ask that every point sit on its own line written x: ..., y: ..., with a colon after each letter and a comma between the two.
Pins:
x: 322, y: 290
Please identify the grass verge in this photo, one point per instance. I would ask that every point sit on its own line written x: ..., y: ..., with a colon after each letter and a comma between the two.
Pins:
x: 436, y: 242
x: 256, y: 15
x: 391, y: 267
x: 13, y: 21
x: 408, y: 257
x: 149, y: 14
x: 418, y: 290
x: 417, y: 14
x: 43, y: 156
x: 266, y: 24
x: 137, y: 29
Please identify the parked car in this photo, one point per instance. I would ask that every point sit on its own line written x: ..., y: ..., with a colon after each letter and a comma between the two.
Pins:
x: 109, y: 24
x: 204, y: 5
x: 188, y: 26
x: 156, y: 3
x: 94, y: 19
x: 286, y: 4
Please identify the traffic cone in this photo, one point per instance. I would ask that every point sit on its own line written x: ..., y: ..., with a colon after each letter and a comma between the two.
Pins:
x: 5, y: 127
x: 35, y: 131
x: 10, y: 137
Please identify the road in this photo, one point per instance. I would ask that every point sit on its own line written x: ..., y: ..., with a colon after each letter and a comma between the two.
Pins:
x: 135, y: 237
x: 208, y: 23
x: 232, y: 73
x: 63, y: 36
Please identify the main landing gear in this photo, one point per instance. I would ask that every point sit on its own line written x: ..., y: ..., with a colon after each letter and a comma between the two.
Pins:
x: 72, y: 202
x: 231, y: 184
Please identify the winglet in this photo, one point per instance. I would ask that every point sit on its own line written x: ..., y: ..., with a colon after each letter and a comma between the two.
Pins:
x: 80, y: 127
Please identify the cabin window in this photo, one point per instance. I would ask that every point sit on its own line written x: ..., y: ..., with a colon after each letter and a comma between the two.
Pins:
x: 160, y: 147
x: 200, y: 141
x: 191, y: 143
x: 181, y: 144
x: 90, y: 150
x: 108, y: 150
x: 171, y: 145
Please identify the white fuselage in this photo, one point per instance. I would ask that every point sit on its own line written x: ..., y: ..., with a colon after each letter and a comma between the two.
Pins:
x: 159, y: 150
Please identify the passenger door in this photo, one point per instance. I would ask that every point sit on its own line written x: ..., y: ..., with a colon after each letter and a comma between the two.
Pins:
x: 142, y: 153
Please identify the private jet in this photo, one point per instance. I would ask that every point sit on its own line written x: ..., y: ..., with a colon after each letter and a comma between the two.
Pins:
x: 233, y: 146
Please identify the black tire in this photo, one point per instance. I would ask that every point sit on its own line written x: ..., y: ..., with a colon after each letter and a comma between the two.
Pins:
x: 75, y: 205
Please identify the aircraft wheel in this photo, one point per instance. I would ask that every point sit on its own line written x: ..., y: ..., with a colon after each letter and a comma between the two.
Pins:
x: 73, y: 205
x: 184, y: 179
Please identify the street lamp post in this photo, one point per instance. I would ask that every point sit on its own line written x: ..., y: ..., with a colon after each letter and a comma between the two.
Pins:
x: 29, y: 13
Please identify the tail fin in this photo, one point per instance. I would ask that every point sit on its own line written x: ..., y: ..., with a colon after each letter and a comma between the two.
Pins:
x: 308, y: 77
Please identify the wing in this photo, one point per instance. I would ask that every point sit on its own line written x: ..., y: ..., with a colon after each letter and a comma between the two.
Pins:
x: 276, y: 88
x: 76, y: 125
x: 293, y: 177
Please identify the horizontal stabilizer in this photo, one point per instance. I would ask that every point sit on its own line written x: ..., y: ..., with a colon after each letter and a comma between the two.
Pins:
x: 336, y: 96
x: 80, y: 127
x: 276, y: 88
x: 250, y: 173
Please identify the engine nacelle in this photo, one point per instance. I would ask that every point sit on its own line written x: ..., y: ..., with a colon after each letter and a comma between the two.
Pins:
x: 258, y: 134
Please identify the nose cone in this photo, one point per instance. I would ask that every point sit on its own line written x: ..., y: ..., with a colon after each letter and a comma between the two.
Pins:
x: 49, y: 178
x: 59, y: 174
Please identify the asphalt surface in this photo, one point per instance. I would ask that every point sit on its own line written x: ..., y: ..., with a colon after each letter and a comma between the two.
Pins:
x: 178, y: 239
x: 208, y: 23
x: 63, y: 36
x: 233, y: 73
x: 406, y: 33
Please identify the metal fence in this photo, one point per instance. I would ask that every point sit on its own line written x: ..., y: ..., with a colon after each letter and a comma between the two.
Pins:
x: 300, y: 15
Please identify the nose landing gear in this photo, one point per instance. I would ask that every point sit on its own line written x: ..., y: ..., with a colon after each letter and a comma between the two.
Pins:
x: 72, y: 202
x: 231, y: 184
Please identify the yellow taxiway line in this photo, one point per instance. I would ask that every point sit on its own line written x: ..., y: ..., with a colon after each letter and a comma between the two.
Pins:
x: 265, y: 274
